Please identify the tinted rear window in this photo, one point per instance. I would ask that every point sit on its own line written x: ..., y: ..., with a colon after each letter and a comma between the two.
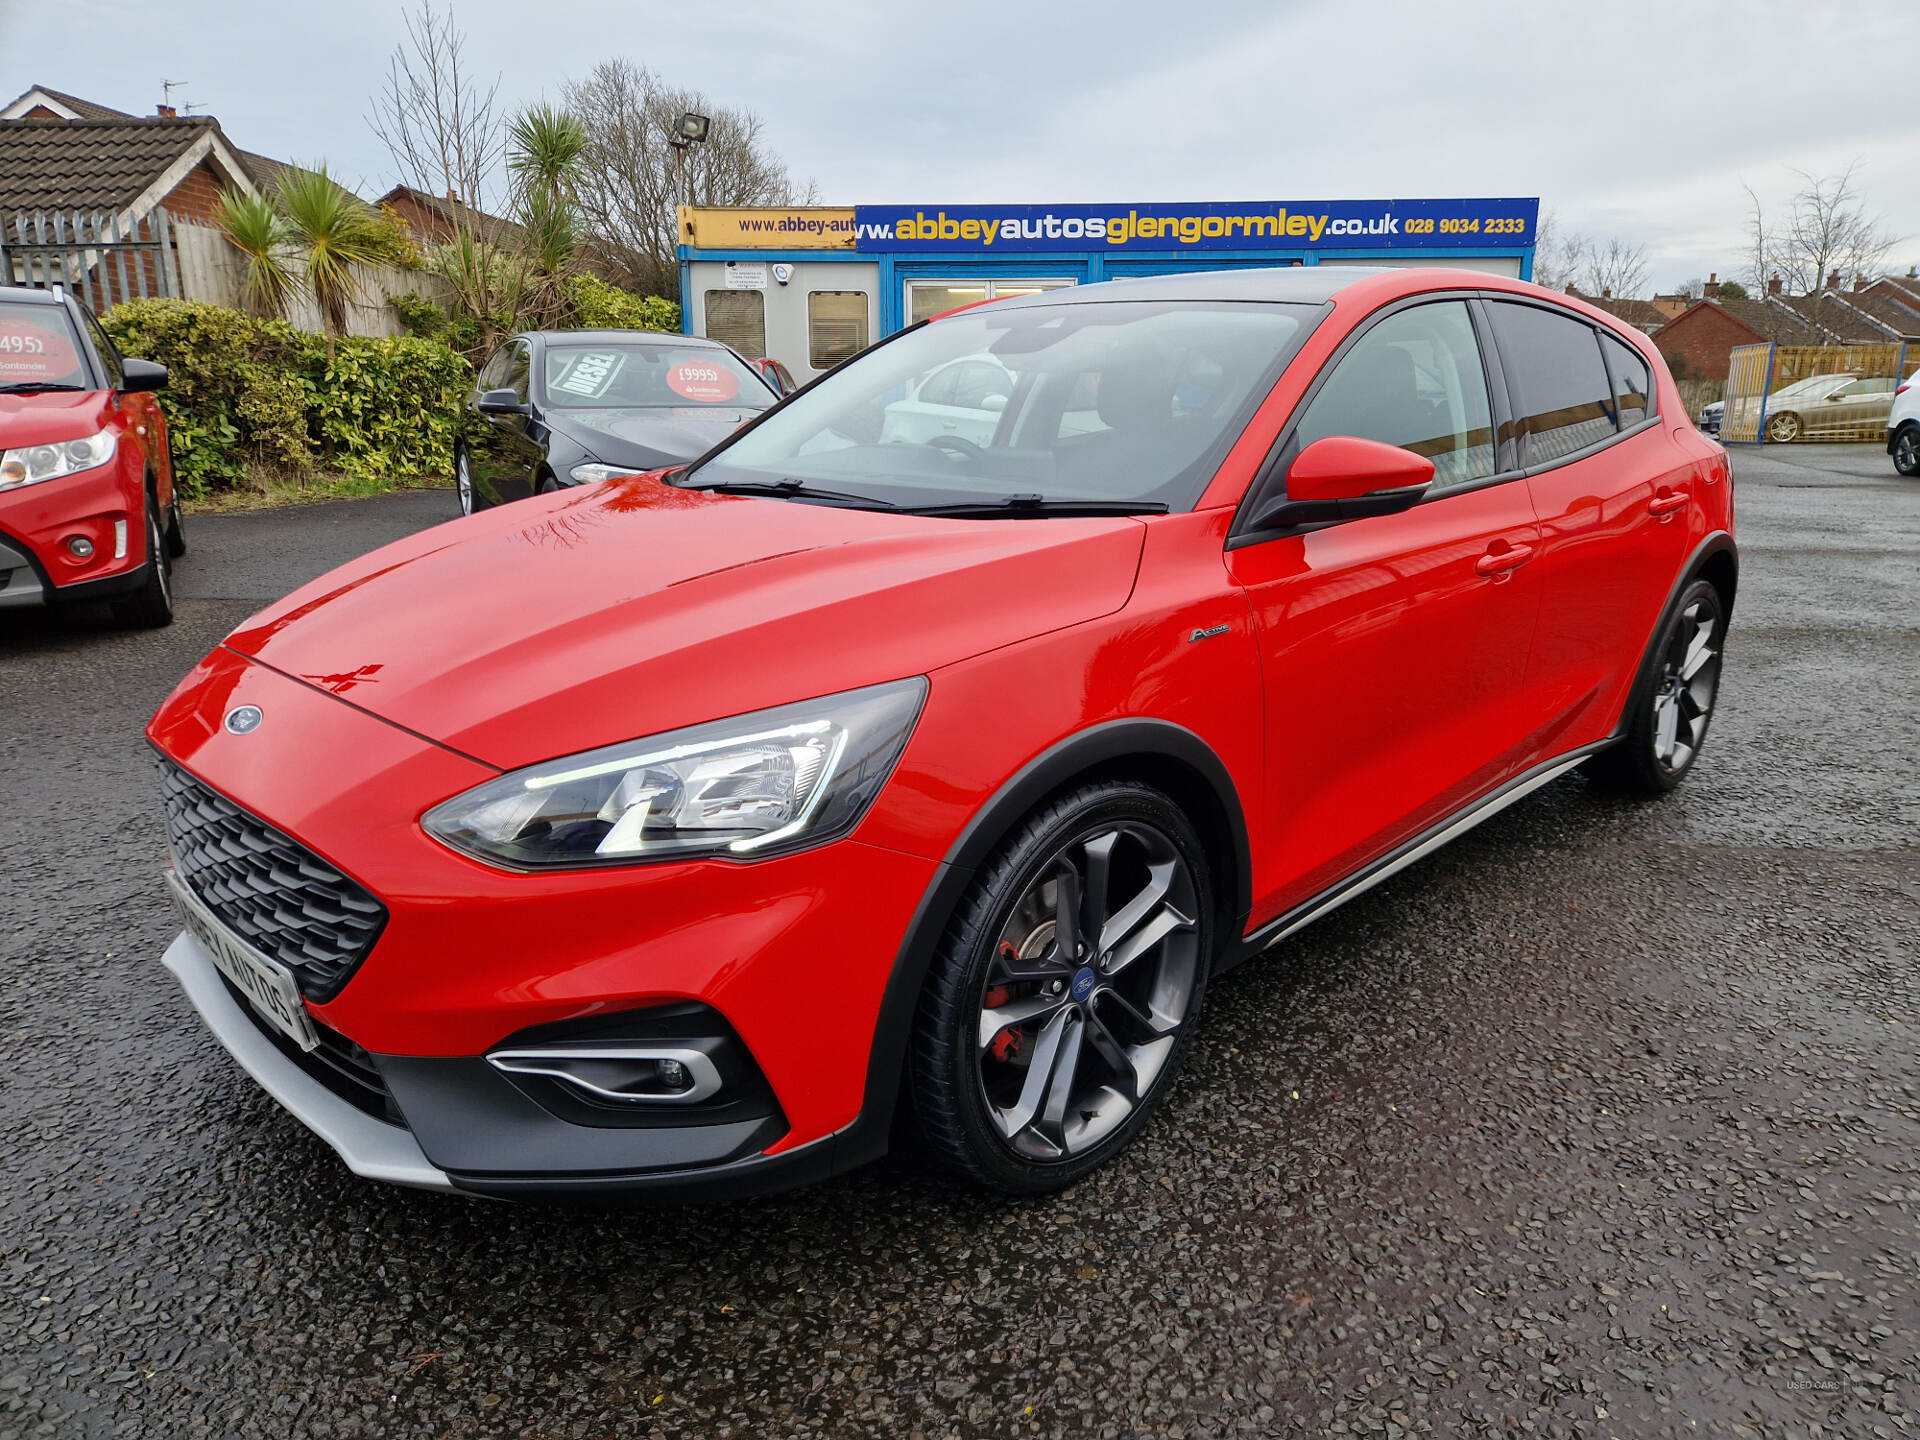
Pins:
x: 1632, y: 382
x: 1563, y: 400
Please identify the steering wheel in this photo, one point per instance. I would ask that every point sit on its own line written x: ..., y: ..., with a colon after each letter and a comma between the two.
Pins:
x: 958, y: 448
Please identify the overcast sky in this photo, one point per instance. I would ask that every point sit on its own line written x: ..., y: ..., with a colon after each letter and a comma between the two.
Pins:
x: 1638, y: 123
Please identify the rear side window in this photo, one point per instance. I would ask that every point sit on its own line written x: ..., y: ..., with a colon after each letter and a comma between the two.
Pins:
x: 1632, y: 381
x: 1563, y: 401
x: 1414, y: 380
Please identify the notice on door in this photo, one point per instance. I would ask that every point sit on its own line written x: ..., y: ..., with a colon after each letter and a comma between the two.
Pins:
x: 747, y: 275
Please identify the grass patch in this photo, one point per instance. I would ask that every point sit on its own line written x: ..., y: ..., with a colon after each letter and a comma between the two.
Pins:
x: 266, y: 489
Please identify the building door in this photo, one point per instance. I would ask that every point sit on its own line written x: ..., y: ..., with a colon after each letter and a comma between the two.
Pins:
x: 927, y: 298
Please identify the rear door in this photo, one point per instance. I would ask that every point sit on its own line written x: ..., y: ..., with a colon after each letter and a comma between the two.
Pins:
x: 1393, y: 648
x: 1618, y: 503
x: 511, y: 454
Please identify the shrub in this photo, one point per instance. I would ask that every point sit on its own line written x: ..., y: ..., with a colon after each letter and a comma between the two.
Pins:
x: 592, y: 304
x: 243, y: 392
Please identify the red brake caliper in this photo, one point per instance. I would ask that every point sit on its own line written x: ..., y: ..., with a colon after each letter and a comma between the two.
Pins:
x: 1006, y: 1044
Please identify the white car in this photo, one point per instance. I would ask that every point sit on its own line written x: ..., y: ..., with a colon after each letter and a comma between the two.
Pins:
x: 965, y: 399
x: 1903, y: 427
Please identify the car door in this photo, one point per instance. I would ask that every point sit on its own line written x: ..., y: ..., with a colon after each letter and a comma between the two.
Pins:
x: 1393, y: 648
x: 512, y: 453
x: 1619, y: 506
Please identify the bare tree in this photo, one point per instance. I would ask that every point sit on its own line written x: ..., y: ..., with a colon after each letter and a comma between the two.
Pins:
x: 443, y: 131
x: 1556, y: 254
x: 630, y: 180
x: 1826, y: 229
x: 1613, y: 268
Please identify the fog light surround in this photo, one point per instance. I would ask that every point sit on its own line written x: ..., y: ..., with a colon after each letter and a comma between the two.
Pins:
x: 80, y: 547
x: 619, y: 1074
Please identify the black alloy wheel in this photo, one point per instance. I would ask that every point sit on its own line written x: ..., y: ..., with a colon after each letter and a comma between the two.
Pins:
x: 1061, y: 999
x: 1668, y: 724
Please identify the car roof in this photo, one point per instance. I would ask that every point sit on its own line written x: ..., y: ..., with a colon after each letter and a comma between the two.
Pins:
x: 622, y: 337
x: 20, y: 294
x: 1301, y: 284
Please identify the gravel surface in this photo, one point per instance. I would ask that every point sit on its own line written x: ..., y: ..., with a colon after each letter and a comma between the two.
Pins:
x: 1604, y: 1122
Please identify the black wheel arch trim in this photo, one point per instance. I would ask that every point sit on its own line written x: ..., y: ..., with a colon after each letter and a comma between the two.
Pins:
x: 1100, y: 747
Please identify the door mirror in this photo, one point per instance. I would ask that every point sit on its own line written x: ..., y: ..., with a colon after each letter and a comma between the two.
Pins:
x: 142, y: 375
x: 1342, y: 477
x: 500, y: 402
x: 995, y: 403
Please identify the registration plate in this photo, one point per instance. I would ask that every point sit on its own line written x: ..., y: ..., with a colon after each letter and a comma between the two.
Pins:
x: 268, y: 985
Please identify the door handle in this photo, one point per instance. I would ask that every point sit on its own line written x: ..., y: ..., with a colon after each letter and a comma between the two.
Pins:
x: 1666, y: 504
x: 1498, y: 562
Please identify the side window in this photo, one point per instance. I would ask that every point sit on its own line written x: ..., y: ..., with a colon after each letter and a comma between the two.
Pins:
x: 977, y: 381
x: 109, y: 356
x: 1415, y: 380
x: 942, y: 387
x: 836, y: 326
x: 738, y: 318
x: 493, y: 374
x: 519, y: 370
x: 1564, y: 401
x: 1632, y: 381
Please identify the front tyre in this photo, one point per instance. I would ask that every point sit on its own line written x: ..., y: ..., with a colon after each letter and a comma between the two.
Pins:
x: 1061, y: 999
x: 1906, y: 450
x: 1784, y: 429
x: 463, y: 481
x: 1672, y: 702
x: 151, y: 606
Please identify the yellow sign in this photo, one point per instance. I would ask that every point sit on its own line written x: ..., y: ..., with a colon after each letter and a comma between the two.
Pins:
x: 773, y: 227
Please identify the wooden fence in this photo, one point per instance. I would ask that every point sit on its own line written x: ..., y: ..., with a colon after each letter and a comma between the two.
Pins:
x: 105, y: 259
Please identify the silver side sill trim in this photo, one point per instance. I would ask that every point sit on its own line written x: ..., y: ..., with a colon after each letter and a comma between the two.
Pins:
x: 373, y: 1149
x: 1485, y: 810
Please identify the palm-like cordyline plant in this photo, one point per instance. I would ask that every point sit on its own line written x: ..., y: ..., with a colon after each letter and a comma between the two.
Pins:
x: 543, y: 147
x: 254, y: 227
x: 337, y: 230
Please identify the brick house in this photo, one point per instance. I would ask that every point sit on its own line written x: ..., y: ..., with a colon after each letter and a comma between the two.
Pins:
x: 63, y: 155
x: 431, y: 219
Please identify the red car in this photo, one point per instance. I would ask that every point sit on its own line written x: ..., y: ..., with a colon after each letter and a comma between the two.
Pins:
x: 87, y: 504
x: 672, y: 835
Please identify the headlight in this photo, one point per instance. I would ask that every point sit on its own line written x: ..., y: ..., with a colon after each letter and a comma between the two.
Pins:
x: 588, y: 474
x: 31, y: 464
x: 757, y: 784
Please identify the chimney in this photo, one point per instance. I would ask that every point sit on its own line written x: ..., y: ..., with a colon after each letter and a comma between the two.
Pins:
x: 1606, y: 292
x: 166, y: 112
x: 1773, y: 285
x: 1833, y: 279
x: 1859, y: 283
x: 1711, y: 290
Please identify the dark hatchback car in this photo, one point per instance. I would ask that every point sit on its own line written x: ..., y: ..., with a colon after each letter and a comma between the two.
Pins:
x: 569, y: 407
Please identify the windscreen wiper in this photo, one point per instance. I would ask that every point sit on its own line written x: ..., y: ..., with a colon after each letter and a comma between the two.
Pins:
x: 787, y: 490
x: 28, y: 387
x: 1014, y: 506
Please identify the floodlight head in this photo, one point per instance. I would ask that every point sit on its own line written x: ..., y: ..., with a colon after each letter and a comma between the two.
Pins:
x: 692, y: 128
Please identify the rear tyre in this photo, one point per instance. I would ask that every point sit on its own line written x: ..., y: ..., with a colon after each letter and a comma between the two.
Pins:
x: 1060, y: 1002
x: 176, y: 530
x: 151, y: 606
x: 1672, y: 702
x: 1783, y: 429
x: 1906, y: 450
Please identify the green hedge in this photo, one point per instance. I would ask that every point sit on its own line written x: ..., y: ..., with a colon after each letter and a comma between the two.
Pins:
x: 245, y: 393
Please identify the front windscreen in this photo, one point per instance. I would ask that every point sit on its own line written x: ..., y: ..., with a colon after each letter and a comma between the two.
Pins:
x: 1096, y: 401
x: 38, y: 348
x: 615, y: 376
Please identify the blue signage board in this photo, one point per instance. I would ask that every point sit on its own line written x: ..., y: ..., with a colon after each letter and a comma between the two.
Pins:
x: 1255, y: 225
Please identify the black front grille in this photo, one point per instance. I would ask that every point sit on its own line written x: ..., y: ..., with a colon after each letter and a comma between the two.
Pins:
x: 337, y: 1063
x: 268, y: 888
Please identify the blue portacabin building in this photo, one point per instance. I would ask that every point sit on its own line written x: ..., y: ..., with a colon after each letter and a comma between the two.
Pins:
x: 811, y: 285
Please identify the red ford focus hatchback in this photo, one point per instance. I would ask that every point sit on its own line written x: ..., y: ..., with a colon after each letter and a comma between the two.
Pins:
x: 671, y: 835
